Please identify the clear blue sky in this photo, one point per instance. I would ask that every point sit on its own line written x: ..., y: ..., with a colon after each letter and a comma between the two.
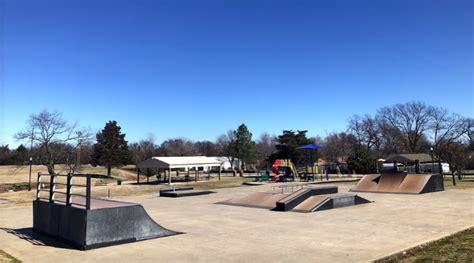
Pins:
x: 198, y: 68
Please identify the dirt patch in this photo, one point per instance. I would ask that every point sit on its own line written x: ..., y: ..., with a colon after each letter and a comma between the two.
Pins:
x: 15, y: 187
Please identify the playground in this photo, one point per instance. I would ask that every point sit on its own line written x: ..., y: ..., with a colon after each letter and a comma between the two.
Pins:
x: 216, y: 233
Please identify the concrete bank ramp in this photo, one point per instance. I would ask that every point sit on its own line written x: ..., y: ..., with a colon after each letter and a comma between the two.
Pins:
x: 309, y: 199
x: 258, y: 199
x: 323, y: 202
x: 402, y: 183
x: 106, y: 223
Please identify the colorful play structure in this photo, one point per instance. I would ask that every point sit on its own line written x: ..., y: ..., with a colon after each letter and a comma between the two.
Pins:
x: 284, y: 170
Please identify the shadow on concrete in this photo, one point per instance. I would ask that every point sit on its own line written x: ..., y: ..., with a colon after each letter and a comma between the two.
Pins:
x: 28, y: 235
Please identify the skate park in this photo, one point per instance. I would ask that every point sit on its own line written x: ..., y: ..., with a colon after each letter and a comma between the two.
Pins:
x: 322, y: 217
x: 209, y: 227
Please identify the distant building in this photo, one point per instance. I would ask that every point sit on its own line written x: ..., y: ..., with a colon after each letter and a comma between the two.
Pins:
x: 409, y: 158
x: 407, y: 162
x: 226, y: 165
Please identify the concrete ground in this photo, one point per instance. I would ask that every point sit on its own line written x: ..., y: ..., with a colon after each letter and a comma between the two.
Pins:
x: 222, y: 233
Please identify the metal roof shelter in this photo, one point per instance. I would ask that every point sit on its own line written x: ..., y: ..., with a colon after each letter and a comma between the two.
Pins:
x: 179, y: 162
x: 409, y: 158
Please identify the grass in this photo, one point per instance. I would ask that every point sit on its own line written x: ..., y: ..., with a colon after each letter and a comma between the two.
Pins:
x: 460, y: 184
x: 6, y: 258
x: 455, y: 248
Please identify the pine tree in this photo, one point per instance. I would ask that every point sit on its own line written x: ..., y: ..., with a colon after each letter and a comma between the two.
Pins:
x: 111, y: 149
x: 287, y: 144
x: 243, y: 146
x: 362, y: 162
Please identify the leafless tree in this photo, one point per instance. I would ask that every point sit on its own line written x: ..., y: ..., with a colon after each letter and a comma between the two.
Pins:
x: 206, y: 148
x: 367, y: 131
x: 265, y: 146
x: 411, y: 119
x: 178, y: 147
x: 445, y: 128
x: 338, y: 147
x: 225, y: 144
x: 143, y: 149
x: 52, y: 136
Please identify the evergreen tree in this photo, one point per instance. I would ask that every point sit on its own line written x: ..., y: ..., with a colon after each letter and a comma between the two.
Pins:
x: 287, y: 144
x: 111, y: 149
x: 243, y: 147
x: 20, y: 155
x: 362, y: 162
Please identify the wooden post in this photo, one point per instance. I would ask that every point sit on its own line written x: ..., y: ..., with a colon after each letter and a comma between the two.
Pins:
x: 88, y: 192
x: 196, y: 172
x: 169, y: 176
x: 138, y: 176
x: 220, y: 168
x: 208, y: 173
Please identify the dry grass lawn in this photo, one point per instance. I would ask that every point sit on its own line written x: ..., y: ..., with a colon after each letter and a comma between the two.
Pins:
x: 6, y: 258
x: 455, y: 248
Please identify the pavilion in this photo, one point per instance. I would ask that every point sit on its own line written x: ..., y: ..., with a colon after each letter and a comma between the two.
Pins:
x: 168, y: 163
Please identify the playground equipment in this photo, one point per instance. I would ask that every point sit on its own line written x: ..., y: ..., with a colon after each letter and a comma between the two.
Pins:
x: 298, y: 198
x: 284, y: 170
x: 311, y: 167
x: 86, y: 222
x: 401, y: 183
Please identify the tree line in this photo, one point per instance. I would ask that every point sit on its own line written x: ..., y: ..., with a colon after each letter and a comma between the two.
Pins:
x: 412, y: 127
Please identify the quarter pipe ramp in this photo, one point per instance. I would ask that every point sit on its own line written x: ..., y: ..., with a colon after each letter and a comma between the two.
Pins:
x: 400, y: 183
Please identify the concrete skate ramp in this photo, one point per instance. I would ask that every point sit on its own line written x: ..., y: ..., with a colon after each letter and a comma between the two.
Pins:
x: 323, y: 202
x: 257, y: 199
x: 106, y: 223
x: 400, y: 183
x: 301, y: 195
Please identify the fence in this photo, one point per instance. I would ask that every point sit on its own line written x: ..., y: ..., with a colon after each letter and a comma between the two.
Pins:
x: 51, y: 186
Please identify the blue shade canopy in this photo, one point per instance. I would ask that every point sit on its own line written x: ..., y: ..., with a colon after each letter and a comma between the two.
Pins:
x: 311, y: 146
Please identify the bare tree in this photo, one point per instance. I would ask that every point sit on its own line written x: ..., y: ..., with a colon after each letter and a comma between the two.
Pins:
x: 338, y: 146
x: 445, y: 128
x: 49, y: 132
x: 206, y: 148
x: 178, y: 147
x: 366, y: 130
x: 265, y: 146
x: 411, y: 119
x: 225, y: 144
x: 468, y: 134
x: 143, y: 149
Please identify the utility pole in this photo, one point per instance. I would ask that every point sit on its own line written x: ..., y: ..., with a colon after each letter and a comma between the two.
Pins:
x: 31, y: 158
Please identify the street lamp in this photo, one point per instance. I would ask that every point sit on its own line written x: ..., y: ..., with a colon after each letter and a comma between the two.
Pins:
x: 29, y: 183
x: 432, y: 160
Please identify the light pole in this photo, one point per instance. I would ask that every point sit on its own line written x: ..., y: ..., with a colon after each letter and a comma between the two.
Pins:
x: 432, y: 160
x: 29, y: 182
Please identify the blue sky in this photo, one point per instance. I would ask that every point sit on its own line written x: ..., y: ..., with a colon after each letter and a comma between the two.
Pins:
x: 198, y: 68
